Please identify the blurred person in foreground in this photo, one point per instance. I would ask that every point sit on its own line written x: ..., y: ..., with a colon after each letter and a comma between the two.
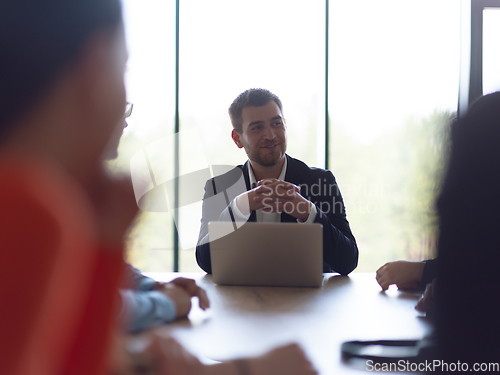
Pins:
x: 62, y: 218
x: 468, y: 285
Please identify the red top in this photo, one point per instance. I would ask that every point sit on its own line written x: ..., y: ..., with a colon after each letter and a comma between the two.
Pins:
x: 58, y: 287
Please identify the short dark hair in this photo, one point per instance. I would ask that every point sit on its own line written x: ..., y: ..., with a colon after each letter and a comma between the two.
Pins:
x: 38, y: 40
x: 250, y: 98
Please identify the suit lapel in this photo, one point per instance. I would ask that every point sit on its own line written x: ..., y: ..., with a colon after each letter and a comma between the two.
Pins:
x: 253, y: 215
x: 245, y: 174
x: 290, y: 176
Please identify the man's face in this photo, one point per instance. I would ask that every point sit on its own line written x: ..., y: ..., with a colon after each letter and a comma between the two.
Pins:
x: 263, y: 134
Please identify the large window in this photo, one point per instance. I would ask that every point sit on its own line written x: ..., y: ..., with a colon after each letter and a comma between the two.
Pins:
x: 393, y: 69
x: 491, y: 50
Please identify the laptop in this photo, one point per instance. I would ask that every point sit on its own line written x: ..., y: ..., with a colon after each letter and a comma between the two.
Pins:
x: 266, y: 254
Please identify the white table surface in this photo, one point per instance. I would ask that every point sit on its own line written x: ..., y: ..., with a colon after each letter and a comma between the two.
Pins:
x: 245, y: 321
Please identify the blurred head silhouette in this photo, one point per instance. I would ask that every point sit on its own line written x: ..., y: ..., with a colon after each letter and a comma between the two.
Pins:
x: 61, y: 83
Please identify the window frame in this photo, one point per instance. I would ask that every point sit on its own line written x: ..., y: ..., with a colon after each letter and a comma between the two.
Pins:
x: 471, y: 79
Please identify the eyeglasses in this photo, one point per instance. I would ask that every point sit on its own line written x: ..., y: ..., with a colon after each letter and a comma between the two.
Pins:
x: 128, y: 110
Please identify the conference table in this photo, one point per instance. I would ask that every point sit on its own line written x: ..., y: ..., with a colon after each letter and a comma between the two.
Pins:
x: 245, y: 321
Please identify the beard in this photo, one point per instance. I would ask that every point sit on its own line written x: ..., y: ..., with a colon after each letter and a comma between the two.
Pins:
x: 265, y: 158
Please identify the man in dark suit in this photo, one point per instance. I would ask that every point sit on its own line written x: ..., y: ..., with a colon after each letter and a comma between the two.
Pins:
x: 274, y: 187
